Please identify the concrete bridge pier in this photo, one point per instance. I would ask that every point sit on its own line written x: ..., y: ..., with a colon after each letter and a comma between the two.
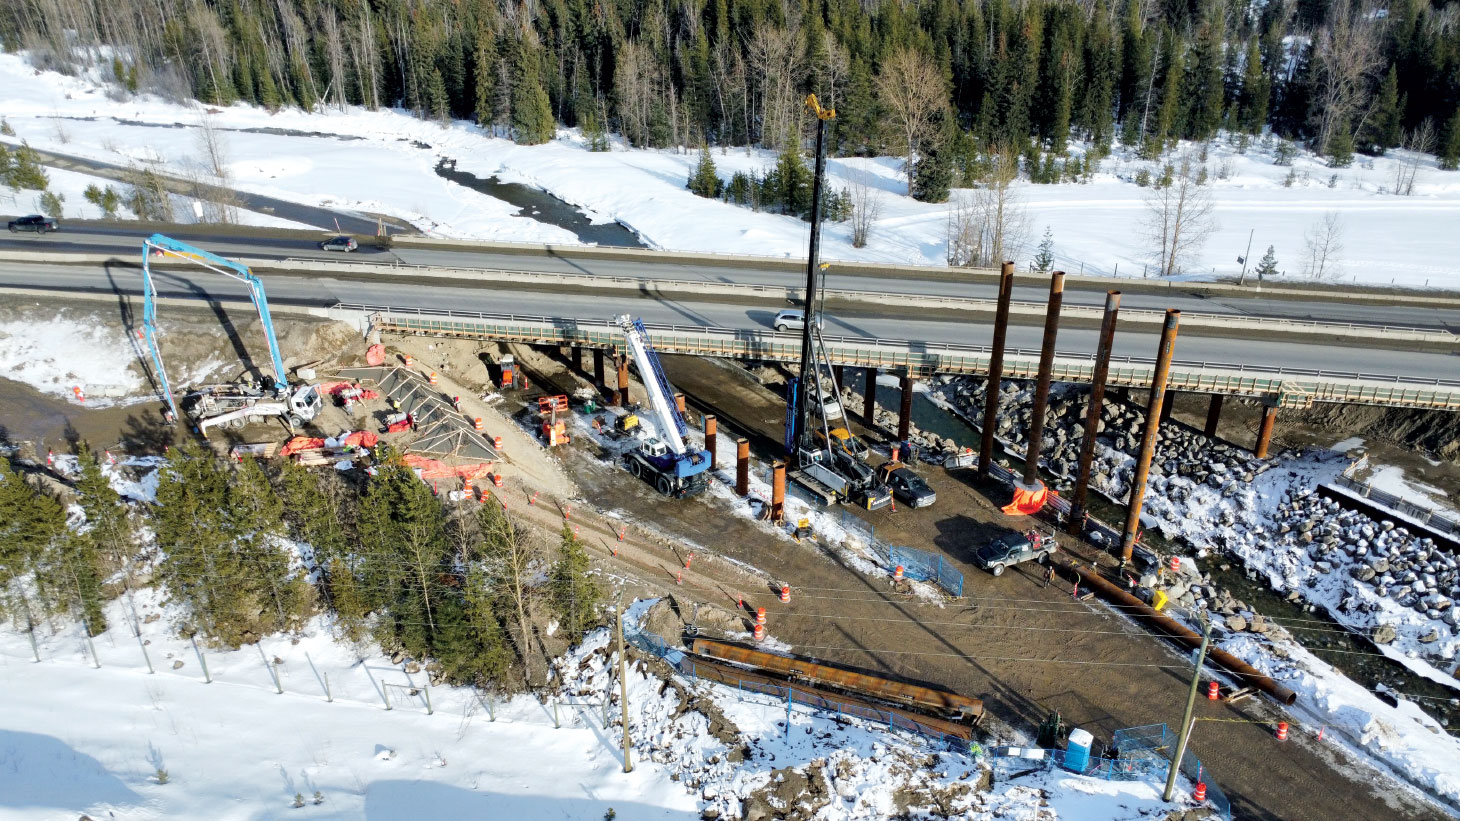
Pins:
x: 904, y: 414
x: 623, y: 382
x: 1214, y: 415
x: 1264, y: 430
x: 577, y: 358
x: 1167, y: 406
x: 598, y: 369
x: 869, y: 398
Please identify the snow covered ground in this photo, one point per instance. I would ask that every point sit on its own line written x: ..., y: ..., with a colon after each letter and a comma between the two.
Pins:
x: 306, y: 720
x: 71, y: 350
x: 1388, y: 239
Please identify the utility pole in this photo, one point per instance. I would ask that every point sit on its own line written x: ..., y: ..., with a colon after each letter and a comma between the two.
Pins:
x: 623, y: 680
x: 801, y: 413
x: 1201, y: 657
x: 1242, y: 280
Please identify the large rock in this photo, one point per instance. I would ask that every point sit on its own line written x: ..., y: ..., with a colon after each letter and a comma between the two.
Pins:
x: 1236, y: 624
x: 1383, y: 634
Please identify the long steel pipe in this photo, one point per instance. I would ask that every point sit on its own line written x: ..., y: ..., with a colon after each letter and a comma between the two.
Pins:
x: 996, y: 370
x: 1180, y: 633
x: 1041, y: 383
x: 1092, y: 413
x: 1149, y: 435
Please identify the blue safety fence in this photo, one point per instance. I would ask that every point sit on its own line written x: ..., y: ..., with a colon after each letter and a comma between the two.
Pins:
x: 927, y: 567
x: 1135, y: 754
x: 792, y: 695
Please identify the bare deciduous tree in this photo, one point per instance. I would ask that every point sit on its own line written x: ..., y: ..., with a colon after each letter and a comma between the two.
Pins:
x: 866, y: 206
x: 912, y: 87
x: 1417, y: 143
x: 777, y: 64
x: 512, y: 559
x: 987, y: 225
x: 212, y: 146
x: 1347, y: 54
x: 1324, y: 243
x: 1179, y: 218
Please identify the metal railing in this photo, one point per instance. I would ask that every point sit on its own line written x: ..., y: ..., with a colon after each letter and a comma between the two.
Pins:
x: 1428, y: 517
x: 1269, y: 324
x: 1289, y: 387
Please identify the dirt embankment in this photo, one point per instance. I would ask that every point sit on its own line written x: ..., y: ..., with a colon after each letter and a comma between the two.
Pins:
x: 1436, y: 433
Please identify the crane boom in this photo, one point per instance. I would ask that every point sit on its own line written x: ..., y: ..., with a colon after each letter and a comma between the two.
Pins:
x: 159, y: 244
x: 661, y: 400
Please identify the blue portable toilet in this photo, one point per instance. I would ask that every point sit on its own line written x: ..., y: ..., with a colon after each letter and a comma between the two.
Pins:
x: 1077, y: 752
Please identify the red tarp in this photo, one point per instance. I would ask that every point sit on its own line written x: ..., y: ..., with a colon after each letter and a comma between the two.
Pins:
x: 336, y: 388
x: 301, y: 443
x: 432, y: 469
x: 375, y: 355
x: 1027, y: 502
x: 362, y: 439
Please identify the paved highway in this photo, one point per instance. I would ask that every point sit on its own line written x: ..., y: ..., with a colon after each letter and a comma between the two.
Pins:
x: 127, y: 243
x: 324, y: 291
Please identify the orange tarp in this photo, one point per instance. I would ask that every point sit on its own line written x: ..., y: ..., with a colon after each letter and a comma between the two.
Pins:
x: 432, y: 469
x: 1026, y: 502
x: 362, y: 438
x: 301, y: 443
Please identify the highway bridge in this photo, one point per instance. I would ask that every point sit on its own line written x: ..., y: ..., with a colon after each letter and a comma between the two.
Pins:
x: 1289, y: 346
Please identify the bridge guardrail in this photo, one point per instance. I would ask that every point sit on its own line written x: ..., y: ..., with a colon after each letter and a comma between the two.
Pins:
x: 1027, y: 307
x: 1290, y: 387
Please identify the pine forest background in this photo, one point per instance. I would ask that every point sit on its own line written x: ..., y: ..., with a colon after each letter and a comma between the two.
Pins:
x: 947, y: 84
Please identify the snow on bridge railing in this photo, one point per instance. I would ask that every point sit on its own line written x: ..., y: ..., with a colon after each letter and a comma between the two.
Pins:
x: 1288, y: 384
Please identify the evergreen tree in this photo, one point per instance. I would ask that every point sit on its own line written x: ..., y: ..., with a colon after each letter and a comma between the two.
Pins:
x: 933, y: 175
x: 705, y: 182
x: 788, y: 186
x: 1341, y: 146
x: 52, y: 204
x: 1253, y: 98
x: 593, y: 130
x: 197, y: 567
x: 25, y: 171
x: 30, y: 522
x: 403, y: 551
x: 108, y: 519
x: 254, y: 519
x: 1205, y: 88
x: 1044, y: 260
x: 1382, y: 130
x: 575, y: 593
x: 532, y: 112
x: 1450, y: 147
x: 1267, y: 266
x: 486, y: 63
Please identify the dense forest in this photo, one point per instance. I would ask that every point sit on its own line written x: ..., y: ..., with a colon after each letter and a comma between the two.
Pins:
x: 463, y: 585
x: 939, y: 81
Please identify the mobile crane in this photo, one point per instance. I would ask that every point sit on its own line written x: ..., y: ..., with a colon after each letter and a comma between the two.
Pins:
x: 669, y: 464
x: 225, y: 405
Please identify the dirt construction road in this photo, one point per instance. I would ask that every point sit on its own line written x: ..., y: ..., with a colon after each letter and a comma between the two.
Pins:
x: 1027, y: 649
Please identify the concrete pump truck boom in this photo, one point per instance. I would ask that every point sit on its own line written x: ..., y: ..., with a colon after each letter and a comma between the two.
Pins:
x: 669, y: 464
x: 231, y: 405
